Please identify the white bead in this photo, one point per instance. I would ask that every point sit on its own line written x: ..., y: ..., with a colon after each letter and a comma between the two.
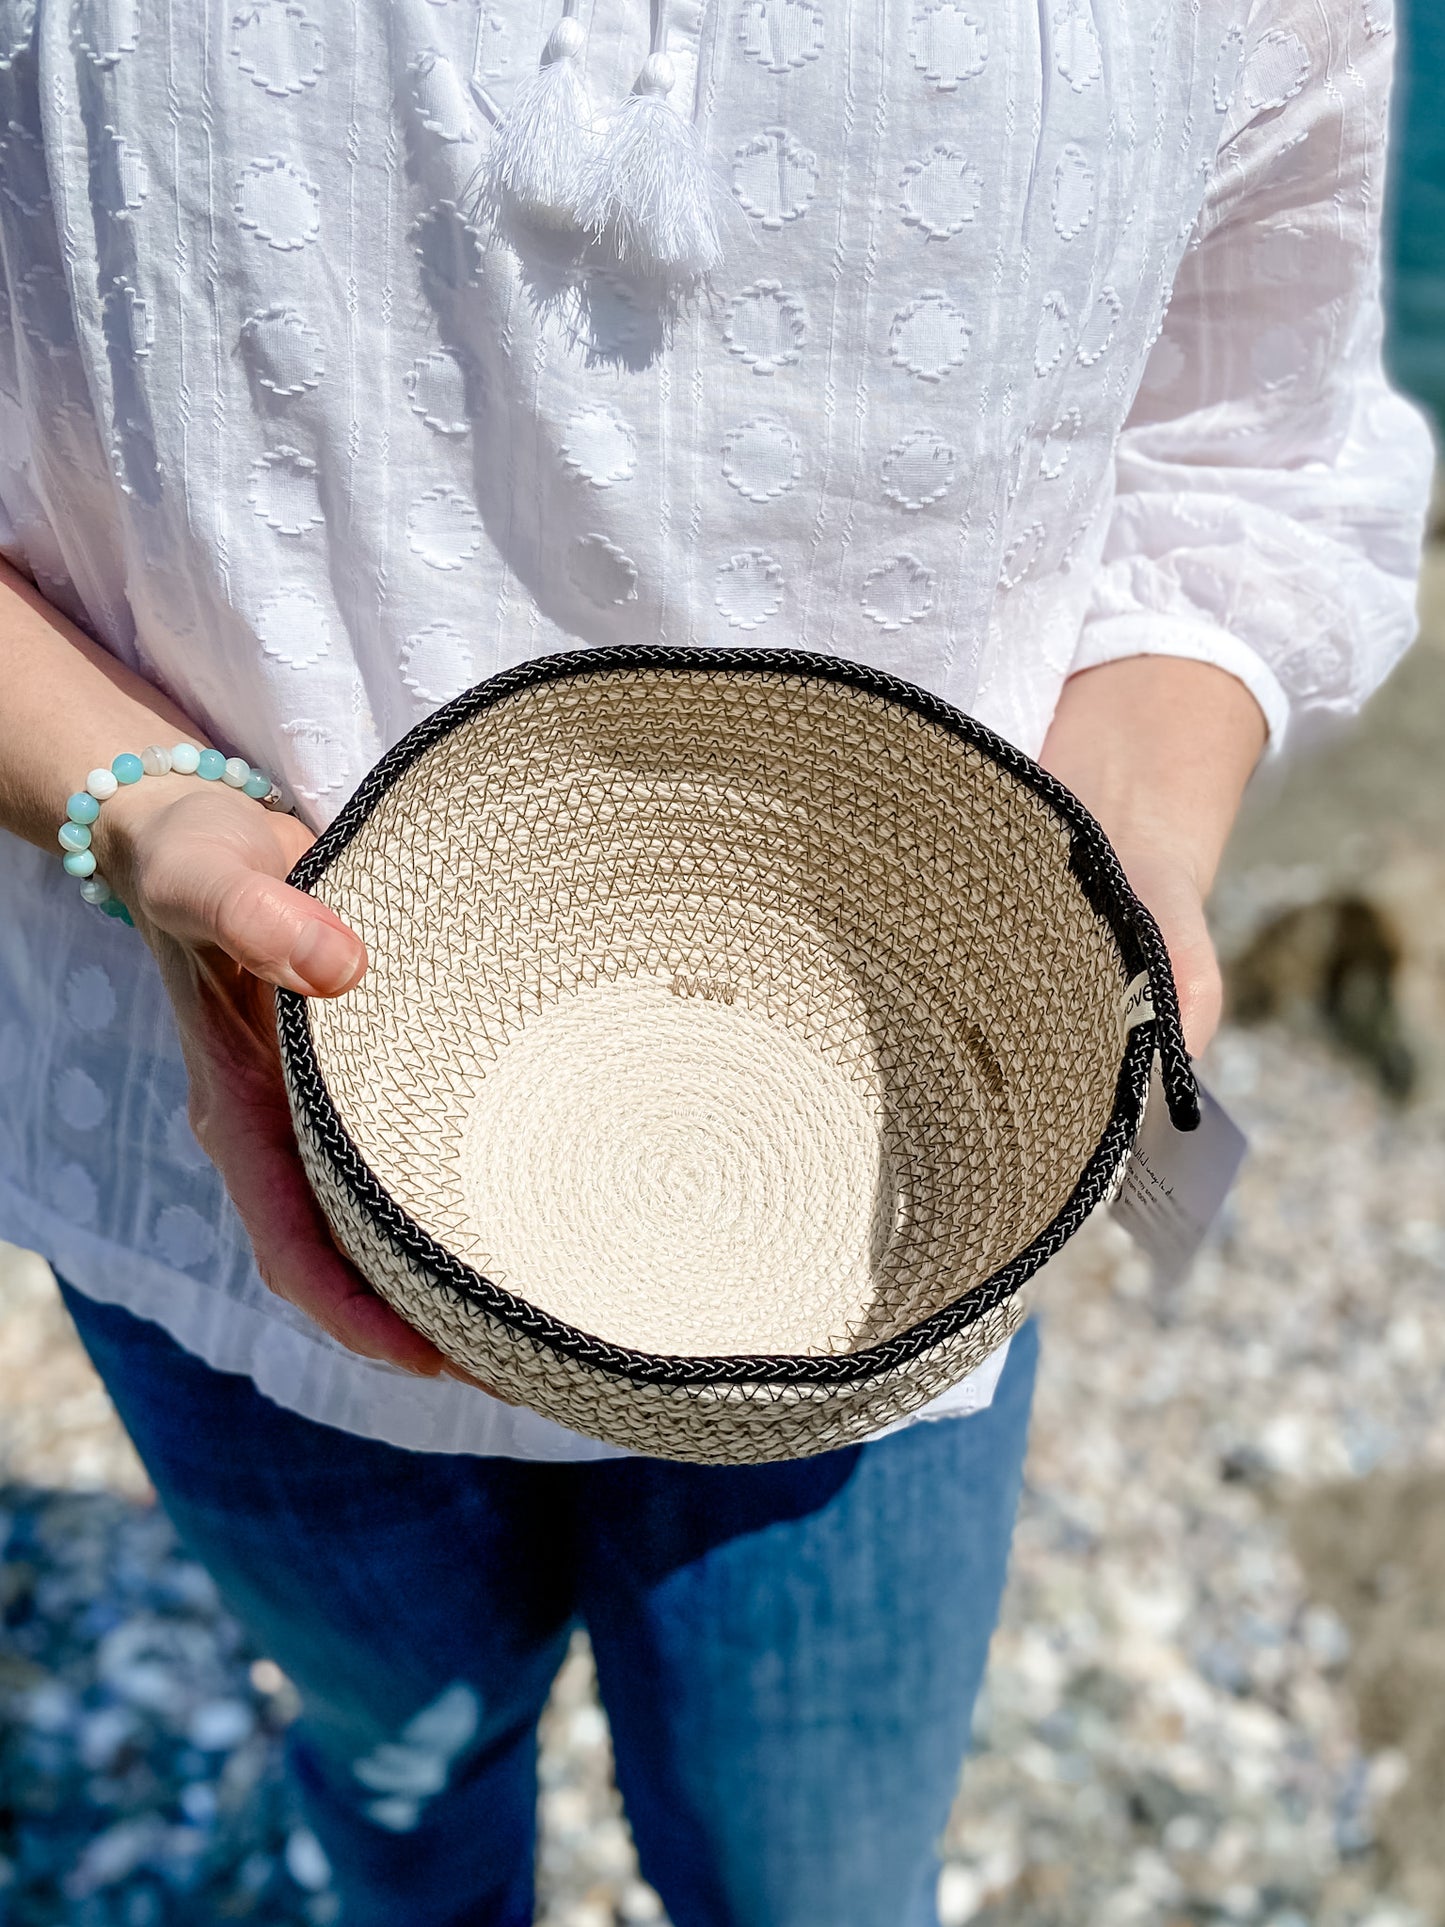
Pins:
x: 95, y: 889
x: 101, y: 783
x: 658, y: 76
x: 185, y: 759
x: 155, y: 761
x: 236, y: 771
x: 566, y: 41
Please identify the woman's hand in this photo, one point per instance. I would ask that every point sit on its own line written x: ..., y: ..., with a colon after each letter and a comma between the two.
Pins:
x: 202, y: 871
x: 1160, y: 748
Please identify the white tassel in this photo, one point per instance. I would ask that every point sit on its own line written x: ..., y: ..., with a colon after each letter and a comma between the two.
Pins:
x: 647, y: 191
x: 541, y: 145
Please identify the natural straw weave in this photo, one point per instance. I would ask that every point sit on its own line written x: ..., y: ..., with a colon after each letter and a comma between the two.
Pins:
x: 742, y: 1030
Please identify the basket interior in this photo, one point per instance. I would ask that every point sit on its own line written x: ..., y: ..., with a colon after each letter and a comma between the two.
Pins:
x: 721, y: 1014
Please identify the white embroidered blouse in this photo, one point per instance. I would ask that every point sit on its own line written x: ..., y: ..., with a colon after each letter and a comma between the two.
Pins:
x: 285, y: 428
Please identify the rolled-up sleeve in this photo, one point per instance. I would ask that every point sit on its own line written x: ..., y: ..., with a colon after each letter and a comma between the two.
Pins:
x: 1271, y: 487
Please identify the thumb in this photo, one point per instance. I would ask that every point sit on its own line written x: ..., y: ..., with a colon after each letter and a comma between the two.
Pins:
x: 211, y: 894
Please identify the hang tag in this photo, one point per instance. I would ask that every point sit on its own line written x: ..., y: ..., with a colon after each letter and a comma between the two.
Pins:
x: 1175, y: 1182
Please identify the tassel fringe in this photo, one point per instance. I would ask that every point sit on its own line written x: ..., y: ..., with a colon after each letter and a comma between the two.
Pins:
x: 646, y: 190
x: 542, y: 146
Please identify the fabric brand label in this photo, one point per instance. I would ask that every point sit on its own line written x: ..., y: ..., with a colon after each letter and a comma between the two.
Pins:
x: 1174, y: 1183
x: 1138, y: 1002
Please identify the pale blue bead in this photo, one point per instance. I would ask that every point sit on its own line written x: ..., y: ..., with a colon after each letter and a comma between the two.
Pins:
x: 257, y: 784
x: 82, y: 807
x: 127, y: 768
x: 74, y: 836
x: 210, y: 764
x: 78, y: 863
x: 184, y: 759
x: 95, y: 889
x: 235, y: 773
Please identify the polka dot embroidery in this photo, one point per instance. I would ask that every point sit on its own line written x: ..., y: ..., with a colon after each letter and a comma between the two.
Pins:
x: 602, y: 572
x: 89, y: 998
x: 774, y: 177
x: 322, y: 762
x: 781, y: 34
x: 121, y: 179
x: 929, y: 337
x: 1021, y: 556
x: 1058, y: 445
x: 919, y: 469
x: 948, y: 45
x: 1073, y: 197
x: 183, y: 1237
x: 1226, y: 68
x: 436, y: 389
x: 765, y: 327
x: 282, y: 351
x: 79, y: 1100
x: 898, y: 592
x: 105, y: 30
x: 283, y: 491
x: 941, y: 192
x: 23, y: 177
x: 762, y: 458
x: 441, y: 102
x: 599, y: 447
x: 1276, y: 70
x: 1098, y: 336
x: 448, y: 247
x: 293, y: 628
x: 493, y: 55
x: 749, y: 589
x: 437, y: 663
x: 1076, y: 46
x: 1054, y: 334
x: 126, y: 323
x: 17, y: 31
x: 443, y: 527
x: 278, y: 204
x: 278, y: 46
x: 72, y: 1192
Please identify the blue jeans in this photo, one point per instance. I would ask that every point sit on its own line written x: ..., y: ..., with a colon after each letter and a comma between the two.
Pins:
x: 788, y: 1654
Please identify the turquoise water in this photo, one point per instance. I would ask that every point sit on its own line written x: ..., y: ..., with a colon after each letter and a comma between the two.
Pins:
x: 1417, y: 282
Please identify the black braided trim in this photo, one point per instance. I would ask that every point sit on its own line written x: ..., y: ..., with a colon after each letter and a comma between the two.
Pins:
x: 1101, y: 876
x: 448, y: 1271
x: 1092, y: 860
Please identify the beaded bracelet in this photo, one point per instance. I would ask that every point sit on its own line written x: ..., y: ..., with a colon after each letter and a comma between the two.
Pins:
x: 184, y: 759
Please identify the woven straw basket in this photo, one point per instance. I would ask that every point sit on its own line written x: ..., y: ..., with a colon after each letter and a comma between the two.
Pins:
x: 742, y: 1030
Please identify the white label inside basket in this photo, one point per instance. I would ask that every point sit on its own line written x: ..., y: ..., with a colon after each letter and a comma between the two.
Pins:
x: 1175, y: 1182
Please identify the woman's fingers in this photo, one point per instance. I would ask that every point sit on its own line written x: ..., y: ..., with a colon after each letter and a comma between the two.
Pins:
x: 294, y: 1249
